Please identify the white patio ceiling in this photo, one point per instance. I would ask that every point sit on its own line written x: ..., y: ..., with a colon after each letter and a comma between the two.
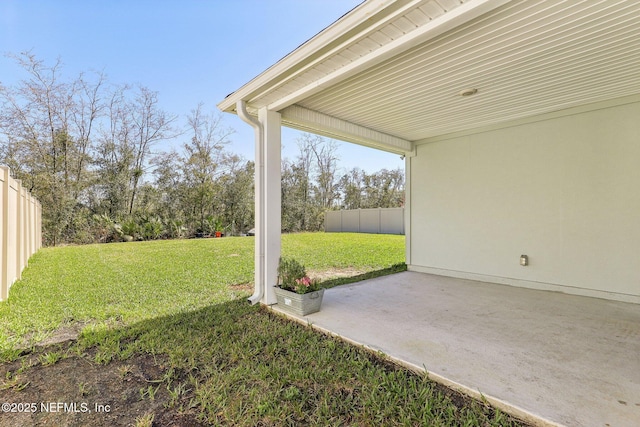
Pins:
x: 389, y: 74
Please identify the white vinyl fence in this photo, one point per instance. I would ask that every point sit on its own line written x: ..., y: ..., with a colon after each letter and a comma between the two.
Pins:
x: 20, y: 229
x: 378, y: 221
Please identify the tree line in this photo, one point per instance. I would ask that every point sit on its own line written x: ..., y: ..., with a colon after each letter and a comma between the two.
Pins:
x: 88, y: 150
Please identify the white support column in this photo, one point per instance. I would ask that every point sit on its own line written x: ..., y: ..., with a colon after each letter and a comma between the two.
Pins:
x: 270, y: 210
x: 407, y: 207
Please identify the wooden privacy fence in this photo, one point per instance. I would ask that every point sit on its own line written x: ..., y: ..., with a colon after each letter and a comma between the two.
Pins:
x: 378, y: 221
x: 20, y: 229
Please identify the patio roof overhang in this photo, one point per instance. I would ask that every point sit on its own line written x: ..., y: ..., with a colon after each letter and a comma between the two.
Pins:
x: 389, y: 74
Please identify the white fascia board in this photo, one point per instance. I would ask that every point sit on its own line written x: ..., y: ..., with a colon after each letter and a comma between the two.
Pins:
x: 307, y: 120
x: 298, y: 60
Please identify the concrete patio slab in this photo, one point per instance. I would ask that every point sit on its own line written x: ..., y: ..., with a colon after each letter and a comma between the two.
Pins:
x: 548, y: 357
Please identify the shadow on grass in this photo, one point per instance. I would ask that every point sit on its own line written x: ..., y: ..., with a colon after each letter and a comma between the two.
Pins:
x: 245, y: 365
x: 237, y: 364
x: 396, y: 268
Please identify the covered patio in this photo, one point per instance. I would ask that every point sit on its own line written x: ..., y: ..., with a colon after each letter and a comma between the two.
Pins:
x: 518, y: 122
x: 546, y: 357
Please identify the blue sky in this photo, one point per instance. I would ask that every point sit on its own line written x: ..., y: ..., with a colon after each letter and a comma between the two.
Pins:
x: 190, y: 51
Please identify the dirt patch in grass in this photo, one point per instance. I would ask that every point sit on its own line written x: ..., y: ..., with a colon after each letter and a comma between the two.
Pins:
x: 74, y: 391
x: 334, y: 273
x: 242, y: 287
x: 67, y: 332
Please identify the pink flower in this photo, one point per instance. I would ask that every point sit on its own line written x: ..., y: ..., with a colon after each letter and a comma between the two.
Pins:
x: 305, y: 281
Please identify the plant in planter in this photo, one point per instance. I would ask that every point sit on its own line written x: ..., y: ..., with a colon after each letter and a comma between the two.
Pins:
x: 219, y: 229
x: 213, y: 226
x: 296, y: 292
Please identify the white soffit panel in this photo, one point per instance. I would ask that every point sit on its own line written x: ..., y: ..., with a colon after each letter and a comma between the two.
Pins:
x: 525, y: 58
x: 361, y: 52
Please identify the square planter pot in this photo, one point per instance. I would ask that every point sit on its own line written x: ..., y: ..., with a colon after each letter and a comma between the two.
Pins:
x: 300, y: 304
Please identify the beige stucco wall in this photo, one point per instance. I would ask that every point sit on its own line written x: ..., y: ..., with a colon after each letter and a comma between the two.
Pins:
x: 563, y: 189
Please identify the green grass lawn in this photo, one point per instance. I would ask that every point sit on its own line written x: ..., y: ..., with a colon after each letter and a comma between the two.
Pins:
x: 243, y: 365
x: 121, y: 283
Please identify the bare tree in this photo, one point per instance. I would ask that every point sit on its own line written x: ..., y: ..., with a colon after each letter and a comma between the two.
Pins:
x: 326, y: 170
x: 46, y: 127
x: 309, y: 184
x: 88, y: 109
x: 114, y: 155
x: 149, y: 124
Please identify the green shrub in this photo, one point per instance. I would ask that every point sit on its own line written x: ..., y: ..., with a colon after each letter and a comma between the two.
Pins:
x: 290, y: 270
x: 130, y: 228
